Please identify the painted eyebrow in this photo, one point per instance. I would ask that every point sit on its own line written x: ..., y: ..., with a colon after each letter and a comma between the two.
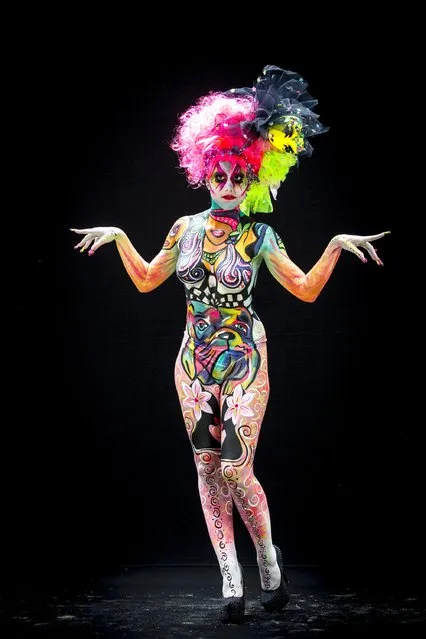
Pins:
x: 238, y: 170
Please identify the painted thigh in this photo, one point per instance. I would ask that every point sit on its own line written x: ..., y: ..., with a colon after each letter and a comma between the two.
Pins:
x: 200, y: 408
x: 242, y: 413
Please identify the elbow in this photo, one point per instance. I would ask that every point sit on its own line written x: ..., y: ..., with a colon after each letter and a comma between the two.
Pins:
x: 308, y: 296
x: 141, y: 285
x: 146, y: 285
x: 144, y: 288
x: 309, y: 293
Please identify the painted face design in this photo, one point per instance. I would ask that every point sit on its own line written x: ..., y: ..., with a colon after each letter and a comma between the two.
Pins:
x: 228, y: 184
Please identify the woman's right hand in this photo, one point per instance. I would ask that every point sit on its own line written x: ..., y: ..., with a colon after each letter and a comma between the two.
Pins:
x: 96, y: 237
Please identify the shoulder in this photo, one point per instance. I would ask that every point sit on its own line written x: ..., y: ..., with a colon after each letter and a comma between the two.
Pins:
x: 179, y: 227
x: 197, y: 219
x: 192, y: 222
x: 262, y: 230
x: 268, y: 236
x: 265, y: 229
x: 260, y: 227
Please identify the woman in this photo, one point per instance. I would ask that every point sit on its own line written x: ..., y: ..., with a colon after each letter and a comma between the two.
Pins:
x: 240, y: 144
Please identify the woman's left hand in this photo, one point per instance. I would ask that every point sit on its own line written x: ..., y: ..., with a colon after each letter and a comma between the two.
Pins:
x: 351, y: 243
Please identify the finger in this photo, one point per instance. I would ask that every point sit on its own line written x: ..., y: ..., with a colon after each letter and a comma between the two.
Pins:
x: 83, y: 241
x: 99, y: 242
x: 372, y: 251
x: 81, y: 231
x: 351, y: 247
x: 373, y: 238
x: 86, y: 245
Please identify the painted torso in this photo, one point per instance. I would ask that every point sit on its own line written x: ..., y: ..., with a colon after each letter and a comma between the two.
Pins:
x: 218, y: 263
x: 217, y: 255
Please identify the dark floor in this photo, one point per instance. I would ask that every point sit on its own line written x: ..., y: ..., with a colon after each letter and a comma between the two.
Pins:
x: 181, y: 601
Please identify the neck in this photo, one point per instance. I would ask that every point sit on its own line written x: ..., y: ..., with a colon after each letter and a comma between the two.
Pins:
x: 216, y: 210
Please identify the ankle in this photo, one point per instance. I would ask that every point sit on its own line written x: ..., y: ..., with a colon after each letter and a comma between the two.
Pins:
x: 267, y: 558
x: 232, y: 585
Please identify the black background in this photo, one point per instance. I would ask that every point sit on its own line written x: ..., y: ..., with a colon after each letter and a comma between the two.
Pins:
x: 98, y: 468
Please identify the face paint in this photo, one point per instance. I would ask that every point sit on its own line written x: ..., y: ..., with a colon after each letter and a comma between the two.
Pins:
x: 228, y: 184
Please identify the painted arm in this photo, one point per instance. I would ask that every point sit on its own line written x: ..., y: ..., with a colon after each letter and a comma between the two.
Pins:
x: 307, y: 286
x: 146, y: 276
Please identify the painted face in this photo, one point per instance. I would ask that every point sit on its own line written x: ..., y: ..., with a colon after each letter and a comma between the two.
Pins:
x: 228, y: 184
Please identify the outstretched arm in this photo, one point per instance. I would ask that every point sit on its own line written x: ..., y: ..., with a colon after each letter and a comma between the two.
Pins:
x: 307, y: 286
x: 146, y: 276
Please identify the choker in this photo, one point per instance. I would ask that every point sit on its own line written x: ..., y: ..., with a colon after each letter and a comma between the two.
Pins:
x: 232, y: 218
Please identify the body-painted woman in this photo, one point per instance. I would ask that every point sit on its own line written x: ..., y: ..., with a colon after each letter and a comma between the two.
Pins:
x: 240, y: 145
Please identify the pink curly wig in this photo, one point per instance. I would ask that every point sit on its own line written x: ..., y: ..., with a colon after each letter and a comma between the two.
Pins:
x: 213, y: 127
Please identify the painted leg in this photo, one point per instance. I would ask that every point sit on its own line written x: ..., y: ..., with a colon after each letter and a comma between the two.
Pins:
x: 242, y: 415
x: 217, y: 505
x: 252, y: 505
x: 200, y: 409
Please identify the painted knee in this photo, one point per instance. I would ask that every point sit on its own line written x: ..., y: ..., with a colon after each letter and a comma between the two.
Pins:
x: 237, y: 478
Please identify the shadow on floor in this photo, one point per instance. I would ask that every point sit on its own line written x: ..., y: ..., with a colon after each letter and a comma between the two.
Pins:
x: 166, y: 602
